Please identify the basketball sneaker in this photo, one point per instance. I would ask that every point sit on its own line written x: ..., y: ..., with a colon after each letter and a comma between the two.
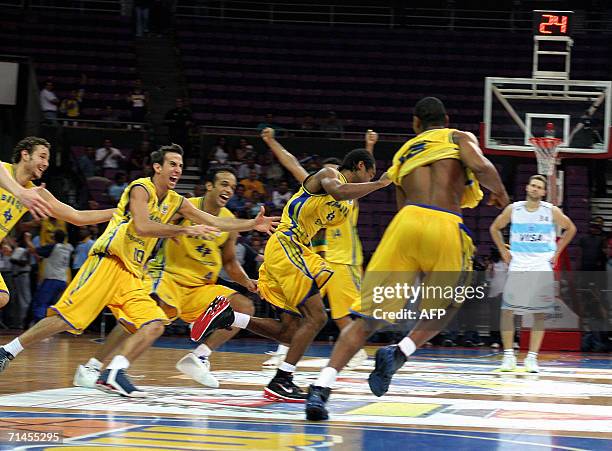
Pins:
x: 508, y: 363
x: 116, y: 381
x: 284, y: 390
x: 5, y: 358
x: 358, y: 359
x: 86, y: 376
x: 276, y: 358
x: 315, y: 404
x: 218, y: 315
x: 389, y: 359
x: 531, y: 364
x: 197, y: 368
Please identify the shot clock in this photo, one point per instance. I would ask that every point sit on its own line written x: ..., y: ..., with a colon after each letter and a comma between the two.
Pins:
x: 552, y: 23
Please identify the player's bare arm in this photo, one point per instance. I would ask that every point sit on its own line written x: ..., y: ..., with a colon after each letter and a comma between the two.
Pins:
x: 328, y: 180
x: 483, y: 169
x: 147, y: 228
x: 261, y: 223
x: 60, y: 210
x: 233, y: 267
x: 563, y: 221
x: 500, y: 223
x: 29, y: 197
x: 371, y: 138
x: 285, y: 158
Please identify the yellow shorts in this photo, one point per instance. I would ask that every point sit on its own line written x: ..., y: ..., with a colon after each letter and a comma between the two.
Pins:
x: 3, y: 287
x: 343, y: 289
x: 423, y: 247
x: 104, y: 282
x: 291, y: 273
x: 180, y: 301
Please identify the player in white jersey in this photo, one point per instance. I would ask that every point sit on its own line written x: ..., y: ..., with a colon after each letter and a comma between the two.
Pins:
x: 533, y: 253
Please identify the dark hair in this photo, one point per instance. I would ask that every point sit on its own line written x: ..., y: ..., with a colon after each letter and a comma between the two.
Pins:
x: 158, y: 155
x: 332, y: 160
x: 541, y: 178
x: 59, y: 236
x: 211, y: 175
x: 431, y: 111
x: 28, y: 144
x: 352, y: 159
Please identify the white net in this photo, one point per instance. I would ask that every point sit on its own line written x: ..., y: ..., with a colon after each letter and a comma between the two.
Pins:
x: 546, y: 150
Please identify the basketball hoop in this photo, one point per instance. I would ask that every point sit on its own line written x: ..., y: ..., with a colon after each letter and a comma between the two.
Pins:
x: 546, y: 150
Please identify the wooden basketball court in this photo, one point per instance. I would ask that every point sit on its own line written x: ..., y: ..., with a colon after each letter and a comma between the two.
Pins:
x: 443, y: 398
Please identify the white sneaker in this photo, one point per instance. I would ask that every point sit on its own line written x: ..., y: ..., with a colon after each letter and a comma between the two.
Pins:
x: 197, y: 368
x: 508, y: 363
x: 358, y: 359
x: 85, y: 376
x: 275, y: 360
x: 531, y: 365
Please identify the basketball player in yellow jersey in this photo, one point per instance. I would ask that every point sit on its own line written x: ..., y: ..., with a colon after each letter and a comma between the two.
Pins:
x: 436, y: 174
x: 182, y: 279
x: 292, y: 273
x: 112, y: 274
x: 341, y: 249
x: 31, y: 159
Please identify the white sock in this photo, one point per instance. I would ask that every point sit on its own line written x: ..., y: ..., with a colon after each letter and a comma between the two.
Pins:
x: 289, y: 368
x: 241, y: 320
x: 533, y: 355
x: 407, y: 346
x: 94, y: 363
x: 14, y: 347
x: 327, y: 377
x: 282, y: 349
x: 509, y: 352
x: 118, y: 363
x: 202, y: 351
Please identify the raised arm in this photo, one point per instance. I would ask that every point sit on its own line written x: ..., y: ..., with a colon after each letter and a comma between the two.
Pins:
x: 563, y: 221
x: 371, y: 138
x: 65, y: 212
x: 261, y: 223
x: 285, y: 158
x: 328, y: 178
x: 483, y: 169
x: 233, y: 267
x: 30, y: 198
x: 495, y: 229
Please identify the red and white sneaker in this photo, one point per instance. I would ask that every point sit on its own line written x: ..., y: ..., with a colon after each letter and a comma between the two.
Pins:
x: 218, y: 315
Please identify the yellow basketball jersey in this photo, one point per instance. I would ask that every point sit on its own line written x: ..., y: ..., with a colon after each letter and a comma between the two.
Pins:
x: 48, y: 226
x: 120, y: 239
x: 11, y: 210
x: 343, y: 244
x: 193, y: 261
x: 306, y: 213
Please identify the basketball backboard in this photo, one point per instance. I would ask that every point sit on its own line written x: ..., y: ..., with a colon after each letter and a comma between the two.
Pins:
x: 517, y: 109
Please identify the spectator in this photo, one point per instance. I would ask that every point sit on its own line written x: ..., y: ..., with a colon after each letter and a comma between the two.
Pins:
x: 179, y: 121
x: 71, y: 106
x: 308, y: 126
x: 332, y: 125
x: 257, y: 201
x: 108, y: 157
x: 116, y: 189
x: 281, y: 195
x: 237, y: 203
x: 274, y: 172
x: 252, y: 184
x: 219, y: 151
x: 142, y: 9
x: 268, y: 121
x: 110, y: 115
x: 21, y: 278
x: 86, y: 163
x: 48, y: 226
x: 245, y: 169
x: 82, y: 249
x: 138, y: 100
x: 243, y: 150
x: 49, y: 103
x: 199, y: 190
x: 57, y: 263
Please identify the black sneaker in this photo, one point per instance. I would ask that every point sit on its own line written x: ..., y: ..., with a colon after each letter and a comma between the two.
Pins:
x: 218, y: 315
x: 389, y: 359
x: 117, y: 381
x: 315, y: 404
x: 284, y: 390
x: 5, y: 358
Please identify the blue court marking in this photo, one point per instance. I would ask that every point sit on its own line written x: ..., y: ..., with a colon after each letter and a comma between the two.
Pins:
x: 368, y: 438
